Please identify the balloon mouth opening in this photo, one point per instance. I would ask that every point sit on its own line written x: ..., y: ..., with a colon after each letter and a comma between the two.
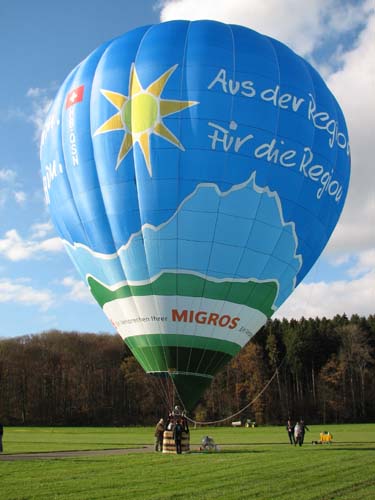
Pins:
x: 174, y: 373
x: 189, y: 386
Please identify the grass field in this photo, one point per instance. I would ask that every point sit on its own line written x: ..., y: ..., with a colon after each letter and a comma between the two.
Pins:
x: 254, y: 463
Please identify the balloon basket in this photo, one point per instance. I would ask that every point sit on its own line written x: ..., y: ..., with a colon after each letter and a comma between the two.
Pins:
x: 169, y: 445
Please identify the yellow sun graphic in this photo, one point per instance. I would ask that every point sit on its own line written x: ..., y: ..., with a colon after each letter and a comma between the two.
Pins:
x: 141, y: 114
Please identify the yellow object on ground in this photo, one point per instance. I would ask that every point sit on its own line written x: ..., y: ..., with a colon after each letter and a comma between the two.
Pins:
x: 326, y: 437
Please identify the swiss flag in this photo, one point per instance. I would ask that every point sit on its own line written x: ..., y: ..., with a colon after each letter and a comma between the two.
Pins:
x: 74, y: 96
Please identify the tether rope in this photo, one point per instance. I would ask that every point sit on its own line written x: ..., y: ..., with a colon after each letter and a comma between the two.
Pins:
x: 212, y: 422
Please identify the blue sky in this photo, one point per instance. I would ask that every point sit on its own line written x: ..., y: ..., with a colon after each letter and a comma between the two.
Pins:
x: 42, y: 41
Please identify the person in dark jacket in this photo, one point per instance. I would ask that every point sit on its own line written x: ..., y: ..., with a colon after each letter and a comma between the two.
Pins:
x: 177, y: 435
x: 290, y: 430
x: 1, y: 436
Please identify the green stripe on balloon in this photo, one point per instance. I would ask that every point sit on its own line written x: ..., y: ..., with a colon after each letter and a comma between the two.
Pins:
x: 260, y: 296
x: 188, y: 341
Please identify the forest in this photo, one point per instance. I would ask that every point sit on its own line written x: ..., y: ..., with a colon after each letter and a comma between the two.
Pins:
x: 322, y: 370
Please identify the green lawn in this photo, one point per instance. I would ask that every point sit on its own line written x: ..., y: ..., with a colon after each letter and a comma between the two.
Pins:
x: 36, y: 439
x: 254, y: 463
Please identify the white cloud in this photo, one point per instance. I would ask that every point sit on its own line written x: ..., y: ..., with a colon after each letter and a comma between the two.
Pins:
x: 78, y: 291
x: 14, y: 248
x: 36, y: 92
x: 339, y: 260
x: 40, y: 110
x: 40, y: 100
x: 7, y: 181
x: 354, y: 87
x: 365, y: 262
x: 41, y: 229
x: 40, y: 104
x: 328, y: 299
x: 7, y: 175
x: 51, y: 245
x: 354, y: 294
x: 20, y: 197
x: 19, y: 292
x: 11, y: 187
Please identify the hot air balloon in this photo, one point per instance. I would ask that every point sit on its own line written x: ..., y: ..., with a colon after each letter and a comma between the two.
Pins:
x: 195, y: 172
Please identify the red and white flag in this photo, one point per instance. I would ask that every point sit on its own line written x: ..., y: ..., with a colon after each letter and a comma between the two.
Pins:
x: 74, y: 96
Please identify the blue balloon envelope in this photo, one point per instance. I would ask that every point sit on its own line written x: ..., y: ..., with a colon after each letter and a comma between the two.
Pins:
x: 195, y: 171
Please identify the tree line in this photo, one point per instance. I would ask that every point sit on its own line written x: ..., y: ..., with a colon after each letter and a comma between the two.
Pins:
x: 321, y: 369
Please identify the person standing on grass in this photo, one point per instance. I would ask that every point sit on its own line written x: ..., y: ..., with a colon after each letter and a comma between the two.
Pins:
x: 1, y: 436
x: 290, y: 430
x: 177, y: 435
x: 159, y: 432
x: 298, y: 434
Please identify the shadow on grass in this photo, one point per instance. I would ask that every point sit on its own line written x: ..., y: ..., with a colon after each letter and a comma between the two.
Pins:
x: 354, y: 442
x: 257, y: 444
x: 350, y: 448
x: 226, y: 452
